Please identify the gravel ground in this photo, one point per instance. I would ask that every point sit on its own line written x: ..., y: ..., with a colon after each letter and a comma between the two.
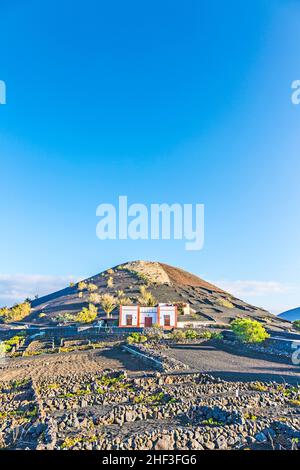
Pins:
x: 79, y: 362
x: 226, y: 364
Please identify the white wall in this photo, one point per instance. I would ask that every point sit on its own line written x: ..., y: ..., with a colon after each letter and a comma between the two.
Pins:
x: 131, y: 310
x: 148, y: 312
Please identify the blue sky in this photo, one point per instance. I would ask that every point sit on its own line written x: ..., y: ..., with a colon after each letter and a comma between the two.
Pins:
x: 162, y: 101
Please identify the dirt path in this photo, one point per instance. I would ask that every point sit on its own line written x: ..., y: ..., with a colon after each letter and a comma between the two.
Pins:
x: 231, y: 366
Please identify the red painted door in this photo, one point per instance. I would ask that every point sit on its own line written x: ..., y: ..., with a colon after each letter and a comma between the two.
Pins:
x: 148, y: 321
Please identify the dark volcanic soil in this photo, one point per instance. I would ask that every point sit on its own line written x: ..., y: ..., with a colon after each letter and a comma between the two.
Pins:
x: 229, y: 365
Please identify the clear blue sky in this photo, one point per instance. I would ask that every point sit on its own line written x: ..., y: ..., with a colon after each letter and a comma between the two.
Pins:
x: 163, y: 101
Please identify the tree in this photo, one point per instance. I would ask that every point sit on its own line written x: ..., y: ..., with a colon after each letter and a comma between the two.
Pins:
x: 108, y: 303
x: 146, y: 299
x: 87, y: 314
x: 249, y: 331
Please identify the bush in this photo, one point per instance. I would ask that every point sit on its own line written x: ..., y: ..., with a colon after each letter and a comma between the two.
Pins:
x: 65, y: 317
x: 82, y: 285
x: 249, y: 331
x: 110, y: 282
x: 296, y: 324
x: 136, y: 338
x: 177, y: 336
x: 7, y: 346
x: 191, y: 334
x: 16, y: 313
x: 92, y: 287
x: 87, y: 314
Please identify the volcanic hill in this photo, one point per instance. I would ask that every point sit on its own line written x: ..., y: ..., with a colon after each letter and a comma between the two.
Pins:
x: 166, y: 283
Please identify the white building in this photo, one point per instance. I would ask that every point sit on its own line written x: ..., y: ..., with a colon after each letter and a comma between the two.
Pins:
x: 163, y: 315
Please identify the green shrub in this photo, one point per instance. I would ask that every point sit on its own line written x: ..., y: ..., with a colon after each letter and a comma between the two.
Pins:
x: 211, y: 335
x: 17, y: 313
x: 136, y: 338
x: 191, y: 334
x: 87, y: 314
x: 249, y: 331
x: 296, y: 324
x: 177, y: 336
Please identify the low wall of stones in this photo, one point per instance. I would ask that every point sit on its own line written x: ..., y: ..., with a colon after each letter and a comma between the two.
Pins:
x: 155, y: 358
x: 276, y: 347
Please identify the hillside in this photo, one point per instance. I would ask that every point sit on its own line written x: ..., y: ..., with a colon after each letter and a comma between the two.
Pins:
x: 166, y: 283
x: 291, y: 315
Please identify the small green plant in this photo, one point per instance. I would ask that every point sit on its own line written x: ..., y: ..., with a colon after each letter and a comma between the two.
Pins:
x: 258, y: 387
x: 177, y: 336
x: 191, y: 334
x: 250, y: 416
x: 211, y: 422
x: 249, y: 331
x: 136, y: 338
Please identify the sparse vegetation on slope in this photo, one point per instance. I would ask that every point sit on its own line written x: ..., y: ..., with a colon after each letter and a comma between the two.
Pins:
x: 146, y: 298
x: 16, y: 313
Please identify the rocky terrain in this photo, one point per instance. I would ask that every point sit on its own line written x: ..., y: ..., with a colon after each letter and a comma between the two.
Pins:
x: 167, y: 284
x: 113, y: 410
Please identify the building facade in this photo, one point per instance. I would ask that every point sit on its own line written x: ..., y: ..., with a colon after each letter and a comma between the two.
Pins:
x: 134, y: 316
